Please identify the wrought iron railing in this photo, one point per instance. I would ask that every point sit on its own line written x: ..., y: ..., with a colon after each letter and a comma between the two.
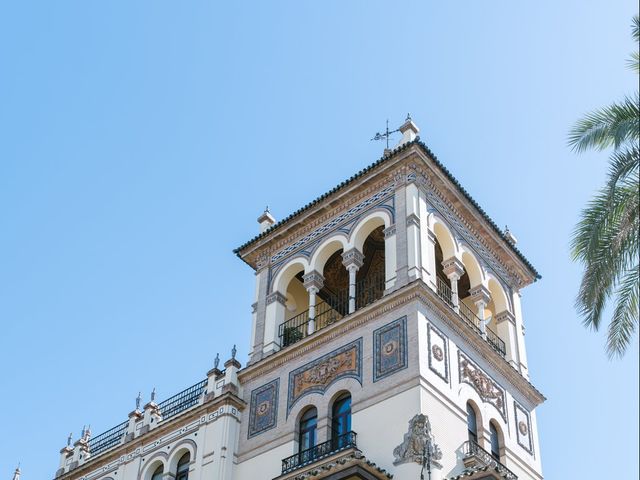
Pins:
x: 182, y: 401
x: 370, y: 289
x: 318, y: 452
x: 472, y: 449
x: 470, y: 317
x: 106, y: 440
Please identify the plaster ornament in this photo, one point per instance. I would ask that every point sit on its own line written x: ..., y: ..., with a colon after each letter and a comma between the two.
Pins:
x: 417, y: 442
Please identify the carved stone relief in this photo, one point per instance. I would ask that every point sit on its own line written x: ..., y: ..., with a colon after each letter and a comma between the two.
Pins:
x: 418, y: 443
x: 487, y: 388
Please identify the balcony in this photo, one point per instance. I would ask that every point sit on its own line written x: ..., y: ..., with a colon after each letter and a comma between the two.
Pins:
x: 477, y: 457
x: 321, y: 451
x: 470, y: 318
x: 330, y: 310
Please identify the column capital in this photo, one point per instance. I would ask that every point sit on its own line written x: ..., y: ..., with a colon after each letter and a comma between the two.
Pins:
x: 453, y: 268
x: 353, y: 258
x: 505, y: 316
x: 276, y: 297
x: 313, y: 279
x: 413, y: 220
x: 480, y: 294
x: 390, y: 231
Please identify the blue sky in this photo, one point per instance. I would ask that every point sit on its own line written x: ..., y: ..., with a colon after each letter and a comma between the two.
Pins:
x: 140, y: 140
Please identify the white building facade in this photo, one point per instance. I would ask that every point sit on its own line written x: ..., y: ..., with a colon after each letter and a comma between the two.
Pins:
x: 387, y: 342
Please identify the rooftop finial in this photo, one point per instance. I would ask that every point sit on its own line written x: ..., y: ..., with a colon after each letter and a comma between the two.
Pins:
x: 408, y: 117
x: 138, y: 400
x: 16, y: 474
x: 511, y: 238
x: 69, y: 439
x: 216, y: 361
x: 233, y: 352
x: 266, y: 220
x: 153, y: 394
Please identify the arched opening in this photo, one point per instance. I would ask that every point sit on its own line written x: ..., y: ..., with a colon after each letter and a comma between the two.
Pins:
x: 182, y: 473
x: 341, y: 421
x: 307, y: 436
x: 494, y: 436
x: 370, y: 278
x: 296, y: 310
x: 157, y: 473
x: 472, y: 423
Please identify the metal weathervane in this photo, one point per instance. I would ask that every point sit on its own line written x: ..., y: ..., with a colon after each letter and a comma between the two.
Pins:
x: 385, y: 136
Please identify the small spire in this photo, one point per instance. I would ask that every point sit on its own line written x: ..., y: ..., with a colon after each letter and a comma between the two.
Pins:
x: 153, y: 394
x: 138, y: 400
x: 69, y: 439
x: 511, y: 238
x: 216, y: 361
x: 408, y: 119
x: 233, y: 352
x: 16, y: 474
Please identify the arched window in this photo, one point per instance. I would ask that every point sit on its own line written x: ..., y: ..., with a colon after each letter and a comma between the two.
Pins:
x: 495, y: 441
x: 341, y: 420
x: 472, y: 423
x: 157, y: 475
x: 182, y: 473
x: 308, y: 425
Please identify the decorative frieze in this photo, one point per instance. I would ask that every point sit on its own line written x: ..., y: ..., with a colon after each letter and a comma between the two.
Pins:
x: 438, y: 346
x: 523, y: 427
x: 390, y: 349
x: 487, y: 388
x: 317, y: 376
x: 263, y: 413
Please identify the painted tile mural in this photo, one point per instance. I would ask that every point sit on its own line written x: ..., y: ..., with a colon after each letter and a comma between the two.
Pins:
x: 317, y: 376
x: 390, y: 349
x: 438, y: 346
x: 263, y: 413
x: 523, y: 427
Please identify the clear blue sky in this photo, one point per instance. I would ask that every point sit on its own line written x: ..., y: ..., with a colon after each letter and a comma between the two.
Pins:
x: 140, y: 140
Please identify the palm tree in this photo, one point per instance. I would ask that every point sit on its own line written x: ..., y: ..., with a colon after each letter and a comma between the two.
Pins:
x: 606, y: 239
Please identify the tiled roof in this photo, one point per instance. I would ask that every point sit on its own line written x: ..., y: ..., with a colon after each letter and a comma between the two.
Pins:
x: 375, y: 164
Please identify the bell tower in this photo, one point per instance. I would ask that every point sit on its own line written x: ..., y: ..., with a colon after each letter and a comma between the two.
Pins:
x: 397, y: 295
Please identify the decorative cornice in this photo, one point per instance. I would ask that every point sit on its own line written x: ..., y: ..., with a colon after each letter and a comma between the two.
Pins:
x: 505, y: 316
x: 276, y: 297
x: 390, y: 231
x: 479, y: 294
x: 453, y: 268
x: 353, y: 257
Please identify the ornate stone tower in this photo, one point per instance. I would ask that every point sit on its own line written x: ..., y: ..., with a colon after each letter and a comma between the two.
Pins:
x: 387, y: 341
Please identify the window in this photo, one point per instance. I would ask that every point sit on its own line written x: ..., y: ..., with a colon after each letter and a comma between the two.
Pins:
x: 183, y: 467
x: 157, y: 475
x: 472, y: 424
x: 308, y: 424
x: 495, y: 441
x: 341, y: 421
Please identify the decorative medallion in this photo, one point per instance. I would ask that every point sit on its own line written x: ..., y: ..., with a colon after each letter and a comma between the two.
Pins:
x: 487, y: 388
x: 524, y: 427
x: 263, y: 414
x: 417, y: 441
x: 317, y: 376
x: 438, y: 348
x: 390, y: 349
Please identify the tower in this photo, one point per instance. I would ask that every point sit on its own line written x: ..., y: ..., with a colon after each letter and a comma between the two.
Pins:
x: 387, y: 340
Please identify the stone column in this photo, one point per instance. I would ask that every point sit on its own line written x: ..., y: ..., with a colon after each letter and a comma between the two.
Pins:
x: 506, y: 330
x: 414, y: 246
x: 430, y: 258
x: 274, y: 316
x: 352, y: 260
x: 313, y: 282
x: 481, y: 297
x: 454, y: 269
x: 259, y: 310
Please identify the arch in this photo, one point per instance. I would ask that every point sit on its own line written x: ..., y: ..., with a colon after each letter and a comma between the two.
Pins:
x: 445, y: 238
x: 472, y: 267
x: 286, y: 274
x: 378, y: 218
x: 179, y: 449
x: 498, y: 296
x: 325, y: 250
x: 153, y: 463
x: 496, y: 439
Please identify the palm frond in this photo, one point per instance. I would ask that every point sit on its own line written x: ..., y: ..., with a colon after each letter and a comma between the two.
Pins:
x: 609, y: 126
x: 625, y: 316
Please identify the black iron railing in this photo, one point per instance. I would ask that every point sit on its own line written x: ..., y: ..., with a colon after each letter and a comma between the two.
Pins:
x: 106, y: 440
x: 318, y: 452
x: 370, y: 289
x: 182, y: 401
x: 470, y: 317
x: 472, y: 449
